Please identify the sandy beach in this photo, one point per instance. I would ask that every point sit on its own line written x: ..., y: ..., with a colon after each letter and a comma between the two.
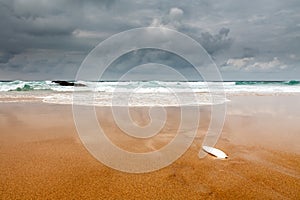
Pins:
x: 42, y: 156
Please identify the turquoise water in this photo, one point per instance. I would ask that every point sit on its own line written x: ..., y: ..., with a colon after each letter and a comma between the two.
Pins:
x: 142, y: 93
x: 17, y: 85
x: 292, y: 82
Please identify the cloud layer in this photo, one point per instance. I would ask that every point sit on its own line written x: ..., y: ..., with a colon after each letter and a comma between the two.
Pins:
x: 42, y: 39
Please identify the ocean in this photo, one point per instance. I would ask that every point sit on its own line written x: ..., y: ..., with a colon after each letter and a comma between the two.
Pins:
x: 141, y: 93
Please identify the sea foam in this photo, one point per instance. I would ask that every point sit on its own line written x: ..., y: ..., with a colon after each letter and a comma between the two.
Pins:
x: 142, y: 93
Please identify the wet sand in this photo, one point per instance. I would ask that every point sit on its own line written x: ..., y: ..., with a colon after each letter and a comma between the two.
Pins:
x: 42, y: 156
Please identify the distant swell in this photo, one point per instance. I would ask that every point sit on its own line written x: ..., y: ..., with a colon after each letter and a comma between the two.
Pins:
x: 140, y: 93
x: 154, y: 87
x: 292, y: 82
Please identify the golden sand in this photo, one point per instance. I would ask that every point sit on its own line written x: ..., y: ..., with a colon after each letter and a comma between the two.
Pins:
x: 43, y: 158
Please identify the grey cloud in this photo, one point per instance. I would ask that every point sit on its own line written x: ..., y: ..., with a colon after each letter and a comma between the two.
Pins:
x: 143, y: 56
x: 259, y: 29
x: 249, y: 52
x: 217, y: 42
x: 42, y: 24
x: 33, y: 62
x: 5, y: 57
x: 37, y: 8
x: 52, y: 26
x: 212, y: 43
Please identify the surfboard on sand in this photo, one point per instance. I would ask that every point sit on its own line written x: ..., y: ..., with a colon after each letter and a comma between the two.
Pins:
x: 215, y: 152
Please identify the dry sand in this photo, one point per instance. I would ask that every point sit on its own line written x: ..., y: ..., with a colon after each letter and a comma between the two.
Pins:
x: 43, y: 158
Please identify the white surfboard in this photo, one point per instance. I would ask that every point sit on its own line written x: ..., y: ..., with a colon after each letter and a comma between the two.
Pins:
x: 215, y: 152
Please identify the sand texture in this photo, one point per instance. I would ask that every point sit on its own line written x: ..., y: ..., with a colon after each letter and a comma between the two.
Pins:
x: 42, y: 156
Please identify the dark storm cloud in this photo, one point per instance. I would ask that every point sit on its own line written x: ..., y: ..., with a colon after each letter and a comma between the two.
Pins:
x: 35, y: 35
x: 5, y: 57
x: 139, y: 57
x: 46, y: 39
x: 217, y: 42
x: 40, y: 21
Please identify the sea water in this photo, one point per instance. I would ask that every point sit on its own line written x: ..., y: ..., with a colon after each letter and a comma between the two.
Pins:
x: 141, y: 93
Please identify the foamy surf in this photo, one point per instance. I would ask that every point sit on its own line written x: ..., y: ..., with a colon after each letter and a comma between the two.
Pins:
x: 141, y: 93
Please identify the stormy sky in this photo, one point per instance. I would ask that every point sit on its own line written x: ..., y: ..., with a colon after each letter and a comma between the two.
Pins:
x: 248, y: 40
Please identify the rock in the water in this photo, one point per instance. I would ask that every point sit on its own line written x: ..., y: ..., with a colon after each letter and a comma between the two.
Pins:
x: 66, y: 83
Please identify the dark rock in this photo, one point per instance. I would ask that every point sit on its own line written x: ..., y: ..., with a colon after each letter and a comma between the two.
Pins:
x: 66, y: 83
